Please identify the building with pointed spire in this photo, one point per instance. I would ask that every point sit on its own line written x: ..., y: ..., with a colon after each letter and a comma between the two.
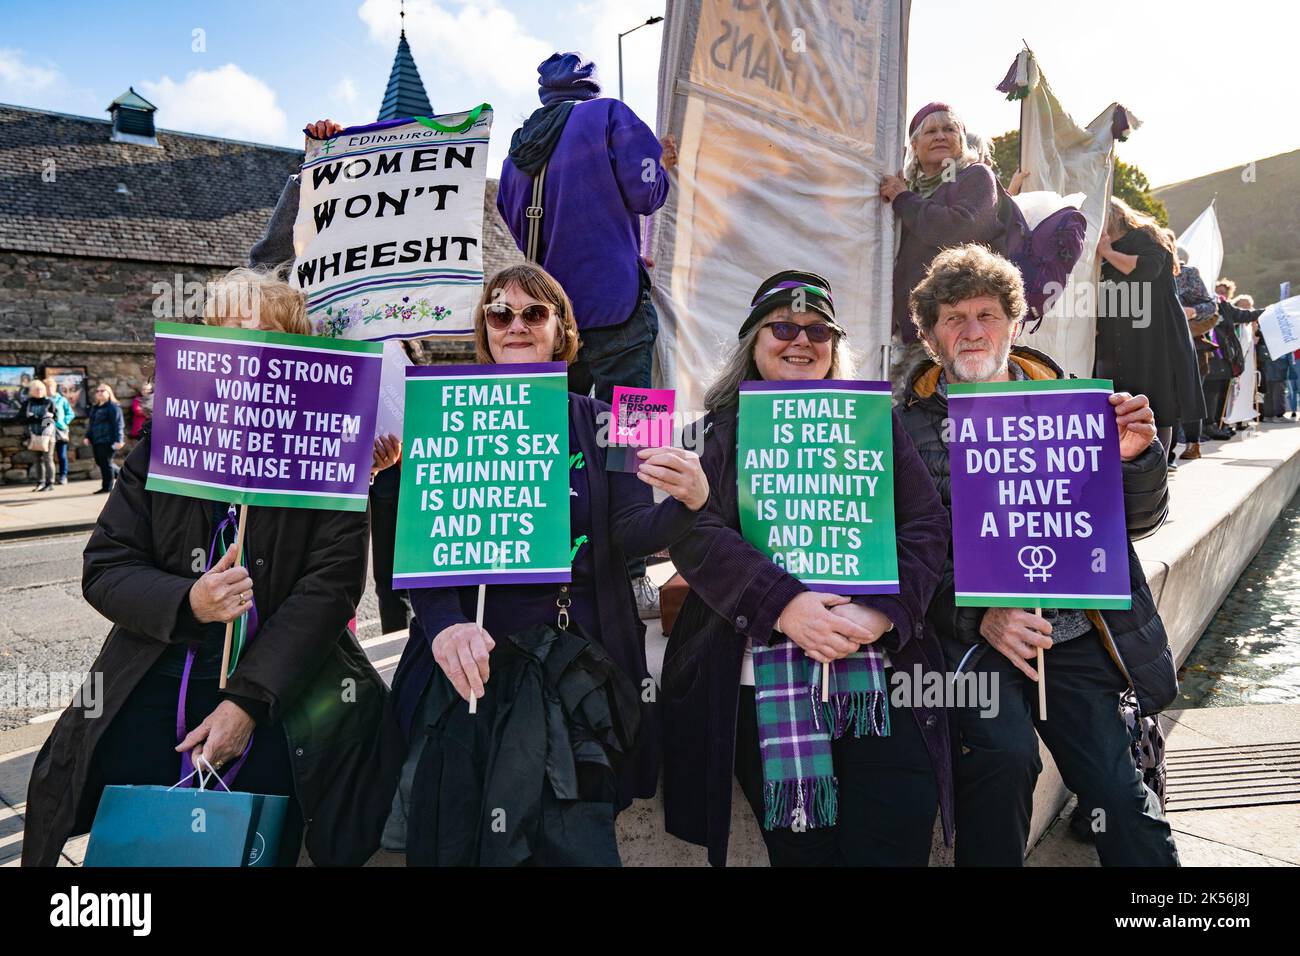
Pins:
x: 405, y: 96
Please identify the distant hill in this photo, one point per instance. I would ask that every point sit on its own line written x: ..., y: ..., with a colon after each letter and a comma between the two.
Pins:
x: 1260, y: 221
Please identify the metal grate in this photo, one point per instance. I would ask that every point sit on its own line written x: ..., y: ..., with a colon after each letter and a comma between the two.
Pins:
x: 1220, y: 778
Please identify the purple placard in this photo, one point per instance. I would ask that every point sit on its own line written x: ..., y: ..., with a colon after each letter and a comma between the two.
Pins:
x: 263, y: 418
x: 1037, y: 496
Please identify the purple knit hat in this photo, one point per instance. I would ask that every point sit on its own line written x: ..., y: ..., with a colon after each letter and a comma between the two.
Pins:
x: 567, y: 76
x: 925, y: 111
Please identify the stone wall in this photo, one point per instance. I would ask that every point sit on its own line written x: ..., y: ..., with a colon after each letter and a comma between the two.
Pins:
x: 124, y: 366
x: 69, y: 298
x: 99, y: 313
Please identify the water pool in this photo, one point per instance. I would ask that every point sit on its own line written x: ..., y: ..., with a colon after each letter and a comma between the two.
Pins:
x: 1250, y: 652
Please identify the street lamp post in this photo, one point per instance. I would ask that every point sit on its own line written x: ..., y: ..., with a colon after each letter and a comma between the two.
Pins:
x: 620, y: 50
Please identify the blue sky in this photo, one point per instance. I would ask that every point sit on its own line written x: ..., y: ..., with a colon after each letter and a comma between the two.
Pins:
x: 1206, y: 77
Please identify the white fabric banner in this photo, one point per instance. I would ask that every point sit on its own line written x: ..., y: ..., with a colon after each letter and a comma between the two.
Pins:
x: 1066, y: 158
x: 787, y: 113
x: 1204, y: 245
x: 1240, y: 405
x: 390, y: 223
x: 1280, y: 326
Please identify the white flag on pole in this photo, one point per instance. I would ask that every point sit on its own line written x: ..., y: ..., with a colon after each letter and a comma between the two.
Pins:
x: 1204, y: 245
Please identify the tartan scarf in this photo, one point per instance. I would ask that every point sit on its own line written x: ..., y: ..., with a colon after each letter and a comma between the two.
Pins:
x: 795, y: 728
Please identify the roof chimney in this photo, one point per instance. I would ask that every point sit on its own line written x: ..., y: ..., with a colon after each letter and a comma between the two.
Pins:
x: 133, y: 119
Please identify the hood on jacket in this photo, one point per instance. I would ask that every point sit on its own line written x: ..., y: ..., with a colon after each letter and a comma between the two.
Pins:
x: 923, y: 376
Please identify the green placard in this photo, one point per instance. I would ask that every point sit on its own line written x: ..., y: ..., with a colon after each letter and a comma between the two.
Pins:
x: 815, y: 469
x: 485, y: 476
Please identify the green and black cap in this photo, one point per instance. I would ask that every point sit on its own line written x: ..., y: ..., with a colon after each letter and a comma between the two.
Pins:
x: 788, y: 288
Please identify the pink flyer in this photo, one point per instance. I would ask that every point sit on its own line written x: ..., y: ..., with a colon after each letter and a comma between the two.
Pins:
x: 642, y: 418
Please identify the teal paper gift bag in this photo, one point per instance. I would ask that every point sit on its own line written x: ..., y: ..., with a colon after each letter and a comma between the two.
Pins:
x: 165, y: 826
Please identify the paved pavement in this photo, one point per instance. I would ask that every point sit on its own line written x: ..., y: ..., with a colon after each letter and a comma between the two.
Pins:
x: 1232, y: 790
x: 70, y: 507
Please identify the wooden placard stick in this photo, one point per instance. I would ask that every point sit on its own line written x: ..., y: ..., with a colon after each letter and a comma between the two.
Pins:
x: 1042, y: 678
x: 478, y: 619
x: 241, y: 520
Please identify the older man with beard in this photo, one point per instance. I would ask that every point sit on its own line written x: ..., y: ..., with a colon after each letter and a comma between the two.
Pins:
x: 968, y: 312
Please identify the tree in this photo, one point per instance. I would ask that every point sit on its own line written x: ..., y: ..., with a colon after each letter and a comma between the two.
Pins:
x: 1130, y: 184
x: 1127, y: 182
x: 1006, y: 155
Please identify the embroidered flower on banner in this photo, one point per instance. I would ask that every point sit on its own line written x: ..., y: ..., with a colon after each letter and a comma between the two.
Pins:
x: 336, y: 322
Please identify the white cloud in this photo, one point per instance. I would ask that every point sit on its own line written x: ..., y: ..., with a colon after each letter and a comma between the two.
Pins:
x: 482, y: 41
x: 20, y: 79
x: 345, y: 92
x: 223, y: 102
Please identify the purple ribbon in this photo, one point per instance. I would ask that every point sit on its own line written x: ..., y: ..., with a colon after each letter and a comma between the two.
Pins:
x: 187, y: 762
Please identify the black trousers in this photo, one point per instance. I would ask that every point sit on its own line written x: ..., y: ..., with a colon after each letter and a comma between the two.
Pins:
x: 1274, y: 399
x: 1216, y: 392
x: 997, y: 763
x: 888, y: 797
x: 104, y: 459
x: 139, y: 749
x: 394, y: 606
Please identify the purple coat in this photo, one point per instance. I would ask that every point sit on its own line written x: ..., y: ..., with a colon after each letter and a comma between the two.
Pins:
x: 624, y: 521
x: 972, y: 208
x: 737, y: 594
x: 603, y: 175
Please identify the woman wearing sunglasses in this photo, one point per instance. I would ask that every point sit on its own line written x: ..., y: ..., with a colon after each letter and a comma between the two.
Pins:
x: 875, y: 802
x: 525, y: 316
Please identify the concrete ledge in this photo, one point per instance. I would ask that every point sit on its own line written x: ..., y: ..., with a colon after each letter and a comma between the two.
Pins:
x: 1254, y: 831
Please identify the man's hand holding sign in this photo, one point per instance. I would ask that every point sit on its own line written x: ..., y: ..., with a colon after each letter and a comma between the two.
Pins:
x: 1020, y: 635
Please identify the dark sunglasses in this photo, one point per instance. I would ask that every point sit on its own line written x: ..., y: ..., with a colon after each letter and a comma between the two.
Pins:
x: 500, y: 316
x: 817, y: 332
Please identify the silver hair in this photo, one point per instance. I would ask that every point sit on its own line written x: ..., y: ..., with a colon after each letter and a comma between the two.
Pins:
x: 739, y: 366
x: 969, y: 155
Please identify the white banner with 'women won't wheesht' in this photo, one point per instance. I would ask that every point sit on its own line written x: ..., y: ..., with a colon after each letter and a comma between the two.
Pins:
x: 389, y: 231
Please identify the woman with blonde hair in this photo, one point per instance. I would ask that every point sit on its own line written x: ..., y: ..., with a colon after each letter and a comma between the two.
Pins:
x: 62, y: 422
x: 1144, y: 345
x: 945, y: 196
x: 105, y: 433
x: 38, y: 413
x: 161, y: 568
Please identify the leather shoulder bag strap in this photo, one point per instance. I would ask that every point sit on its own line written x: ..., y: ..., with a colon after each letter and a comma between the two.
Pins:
x: 533, y: 247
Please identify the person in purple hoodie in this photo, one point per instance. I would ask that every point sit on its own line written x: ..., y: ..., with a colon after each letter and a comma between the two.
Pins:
x: 604, y: 170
